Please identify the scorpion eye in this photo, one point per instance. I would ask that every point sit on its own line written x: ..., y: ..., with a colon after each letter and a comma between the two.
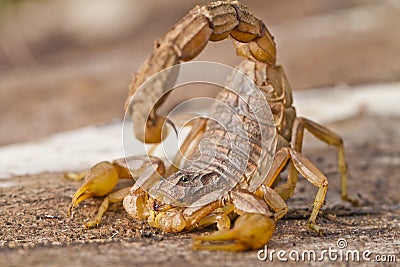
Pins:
x: 156, y: 206
x: 187, y: 177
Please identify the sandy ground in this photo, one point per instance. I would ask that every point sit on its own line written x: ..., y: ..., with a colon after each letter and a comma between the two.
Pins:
x: 37, y: 231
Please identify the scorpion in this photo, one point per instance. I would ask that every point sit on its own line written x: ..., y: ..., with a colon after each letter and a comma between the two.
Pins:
x: 254, y: 211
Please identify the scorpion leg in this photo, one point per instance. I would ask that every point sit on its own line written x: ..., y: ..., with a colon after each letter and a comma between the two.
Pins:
x: 113, y: 197
x: 252, y: 229
x: 329, y: 137
x: 275, y: 201
x: 308, y: 171
x: 103, y: 177
x: 280, y: 161
x: 76, y: 176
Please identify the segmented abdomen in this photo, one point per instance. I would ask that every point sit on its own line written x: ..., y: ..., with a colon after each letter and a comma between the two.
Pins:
x: 239, y: 134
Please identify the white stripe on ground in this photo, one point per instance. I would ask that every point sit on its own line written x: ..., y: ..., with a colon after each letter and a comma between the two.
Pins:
x: 81, y: 148
x: 332, y: 104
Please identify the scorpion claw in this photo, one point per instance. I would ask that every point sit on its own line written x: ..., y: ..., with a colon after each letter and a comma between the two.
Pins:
x: 251, y: 231
x: 100, y: 180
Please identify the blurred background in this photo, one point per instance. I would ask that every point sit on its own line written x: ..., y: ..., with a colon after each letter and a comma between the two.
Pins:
x: 67, y: 64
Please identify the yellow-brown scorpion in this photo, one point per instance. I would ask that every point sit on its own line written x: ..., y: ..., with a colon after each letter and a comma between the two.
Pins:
x: 253, y: 210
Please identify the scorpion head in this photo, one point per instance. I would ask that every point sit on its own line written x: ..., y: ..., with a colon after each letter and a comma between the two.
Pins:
x: 185, y: 188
